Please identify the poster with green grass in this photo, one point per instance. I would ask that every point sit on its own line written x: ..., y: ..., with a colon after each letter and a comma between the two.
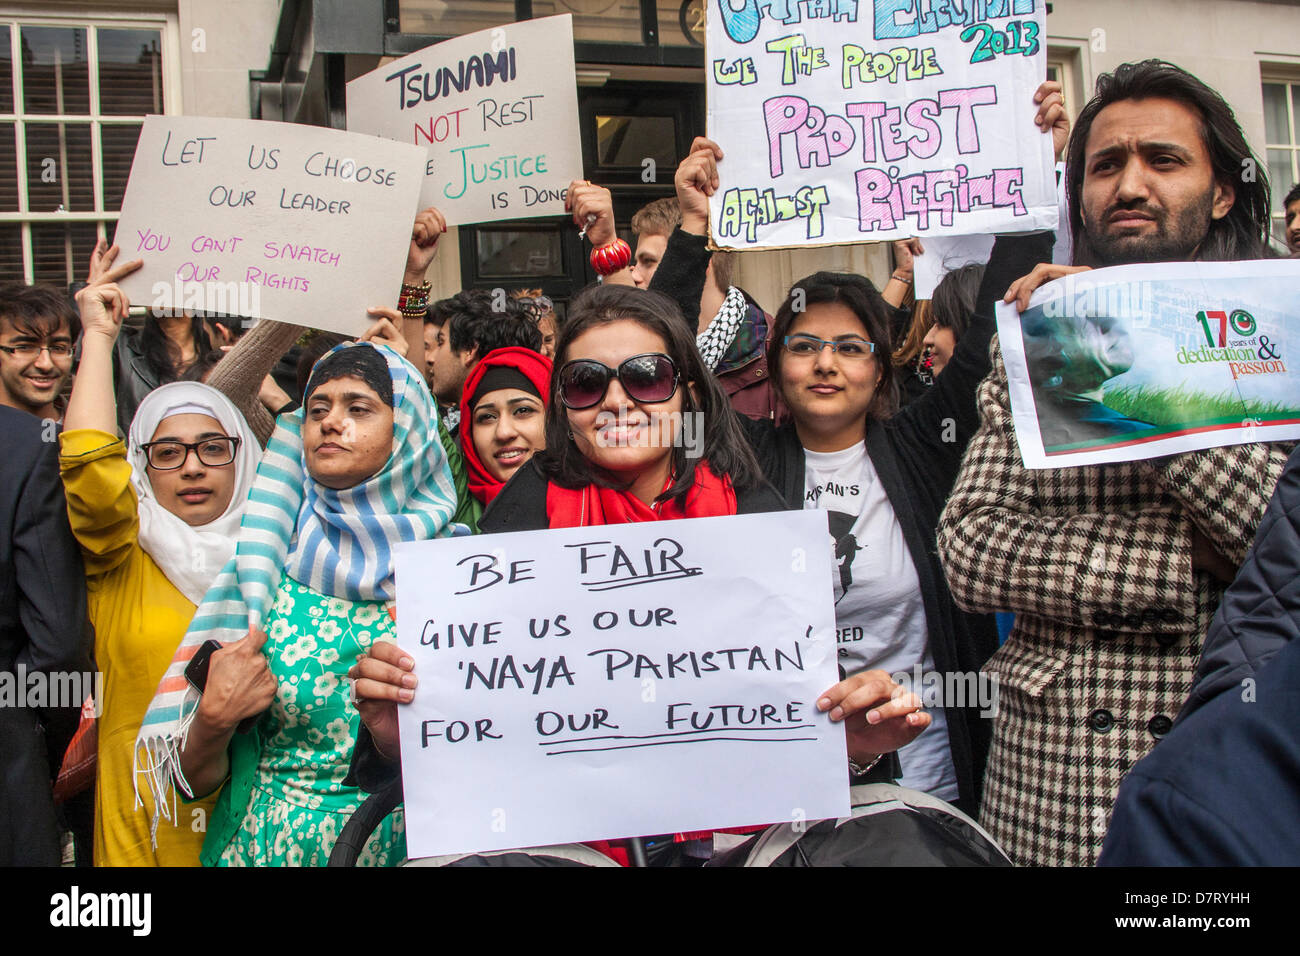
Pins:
x: 1140, y: 361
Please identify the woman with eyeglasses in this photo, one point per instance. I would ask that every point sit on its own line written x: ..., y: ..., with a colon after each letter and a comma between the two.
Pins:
x: 883, y: 476
x: 629, y: 374
x: 156, y: 517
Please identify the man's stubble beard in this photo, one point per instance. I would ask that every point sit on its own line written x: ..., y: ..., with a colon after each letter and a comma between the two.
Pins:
x: 1176, y: 244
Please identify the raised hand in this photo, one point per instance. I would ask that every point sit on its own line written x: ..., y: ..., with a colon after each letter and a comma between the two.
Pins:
x: 587, y: 201
x: 385, y: 329
x: 428, y: 229
x: 696, y: 180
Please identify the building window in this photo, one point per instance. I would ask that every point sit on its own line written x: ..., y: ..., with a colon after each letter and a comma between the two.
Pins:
x: 72, y: 100
x: 1282, y: 143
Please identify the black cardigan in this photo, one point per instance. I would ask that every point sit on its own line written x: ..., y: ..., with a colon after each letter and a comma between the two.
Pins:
x: 917, y: 468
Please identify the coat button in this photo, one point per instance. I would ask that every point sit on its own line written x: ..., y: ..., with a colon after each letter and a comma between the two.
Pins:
x: 1101, y: 721
x: 1133, y: 620
x: 1166, y: 639
x: 1159, y: 725
x: 1170, y: 616
x: 1103, y: 619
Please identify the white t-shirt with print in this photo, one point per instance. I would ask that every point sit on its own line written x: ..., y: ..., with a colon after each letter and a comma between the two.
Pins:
x: 879, y: 612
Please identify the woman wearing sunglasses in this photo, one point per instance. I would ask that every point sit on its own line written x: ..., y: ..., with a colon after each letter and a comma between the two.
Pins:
x: 628, y: 376
x: 156, y: 517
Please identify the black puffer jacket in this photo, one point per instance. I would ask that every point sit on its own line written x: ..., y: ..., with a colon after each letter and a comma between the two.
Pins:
x: 1260, y: 613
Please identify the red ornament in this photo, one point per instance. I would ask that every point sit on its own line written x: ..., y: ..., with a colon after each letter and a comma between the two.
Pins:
x: 611, y: 257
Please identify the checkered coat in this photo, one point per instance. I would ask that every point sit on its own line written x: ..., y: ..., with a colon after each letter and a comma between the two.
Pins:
x: 1096, y: 564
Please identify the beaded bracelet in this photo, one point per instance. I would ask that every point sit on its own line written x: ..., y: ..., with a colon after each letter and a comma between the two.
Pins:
x: 414, y: 300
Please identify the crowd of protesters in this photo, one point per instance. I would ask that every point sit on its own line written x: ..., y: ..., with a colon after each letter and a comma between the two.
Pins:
x: 193, y: 477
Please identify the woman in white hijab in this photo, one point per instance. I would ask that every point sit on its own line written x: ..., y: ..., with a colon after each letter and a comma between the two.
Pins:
x: 156, y: 518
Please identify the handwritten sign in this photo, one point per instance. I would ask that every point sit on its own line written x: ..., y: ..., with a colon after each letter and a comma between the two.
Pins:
x: 942, y: 255
x: 852, y: 121
x: 267, y: 220
x: 1134, y: 362
x: 497, y: 112
x: 629, y: 680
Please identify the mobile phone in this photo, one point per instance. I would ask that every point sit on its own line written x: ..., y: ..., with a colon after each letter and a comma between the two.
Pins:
x: 196, y: 671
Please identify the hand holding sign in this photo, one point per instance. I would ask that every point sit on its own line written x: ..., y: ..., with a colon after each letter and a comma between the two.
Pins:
x: 893, y: 716
x: 380, y: 680
x: 1052, y: 116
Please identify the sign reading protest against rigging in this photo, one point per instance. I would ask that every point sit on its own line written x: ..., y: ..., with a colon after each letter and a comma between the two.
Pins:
x: 864, y: 120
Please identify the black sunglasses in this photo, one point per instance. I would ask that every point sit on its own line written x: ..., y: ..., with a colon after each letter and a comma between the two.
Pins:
x: 649, y: 378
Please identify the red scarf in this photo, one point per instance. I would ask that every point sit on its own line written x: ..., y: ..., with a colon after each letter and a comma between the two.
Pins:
x: 534, y: 366
x: 709, y: 497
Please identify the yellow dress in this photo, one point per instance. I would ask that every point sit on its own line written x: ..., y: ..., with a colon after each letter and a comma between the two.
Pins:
x: 139, y: 620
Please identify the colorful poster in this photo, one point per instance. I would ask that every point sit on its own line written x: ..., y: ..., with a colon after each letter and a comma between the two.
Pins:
x: 865, y: 120
x: 629, y: 680
x: 267, y: 220
x: 497, y: 113
x: 1139, y: 361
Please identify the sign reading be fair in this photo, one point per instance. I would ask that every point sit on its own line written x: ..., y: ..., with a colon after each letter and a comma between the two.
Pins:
x: 267, y: 220
x: 864, y: 120
x: 618, y: 681
x: 497, y: 112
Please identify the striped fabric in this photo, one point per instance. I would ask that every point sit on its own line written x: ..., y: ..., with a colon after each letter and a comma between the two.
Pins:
x: 339, y: 543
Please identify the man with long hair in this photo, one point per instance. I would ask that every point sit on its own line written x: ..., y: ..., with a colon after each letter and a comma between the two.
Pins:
x: 1113, y: 571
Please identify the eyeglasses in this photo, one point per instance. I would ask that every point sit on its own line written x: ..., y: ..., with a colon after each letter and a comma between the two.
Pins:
x: 648, y: 378
x: 30, y: 350
x: 806, y: 346
x: 170, y: 455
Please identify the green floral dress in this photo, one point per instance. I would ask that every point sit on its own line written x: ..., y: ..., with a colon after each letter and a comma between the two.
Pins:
x: 299, y: 804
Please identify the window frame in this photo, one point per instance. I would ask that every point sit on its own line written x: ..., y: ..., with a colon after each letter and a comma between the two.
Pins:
x: 1289, y: 80
x: 20, y: 17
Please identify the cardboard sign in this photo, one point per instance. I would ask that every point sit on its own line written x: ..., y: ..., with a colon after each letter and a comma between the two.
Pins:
x: 497, y: 113
x: 1140, y: 361
x: 618, y: 681
x: 267, y: 220
x: 849, y: 121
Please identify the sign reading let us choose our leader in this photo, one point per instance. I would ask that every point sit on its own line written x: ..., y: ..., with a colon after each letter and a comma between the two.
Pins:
x: 496, y: 111
x: 597, y: 683
x: 867, y: 120
x: 267, y: 220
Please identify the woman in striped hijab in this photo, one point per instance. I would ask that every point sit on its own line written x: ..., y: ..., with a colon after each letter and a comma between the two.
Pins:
x: 355, y: 471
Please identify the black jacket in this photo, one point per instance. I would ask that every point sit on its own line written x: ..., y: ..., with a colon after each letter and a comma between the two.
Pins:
x: 1260, y: 613
x: 43, y: 630
x: 917, y: 454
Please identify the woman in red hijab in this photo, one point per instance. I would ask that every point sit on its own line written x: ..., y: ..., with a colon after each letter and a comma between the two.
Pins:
x: 503, y: 414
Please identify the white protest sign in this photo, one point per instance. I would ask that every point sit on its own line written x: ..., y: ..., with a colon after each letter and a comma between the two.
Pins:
x: 497, y: 113
x: 267, y: 220
x: 850, y: 121
x: 944, y: 254
x: 618, y: 681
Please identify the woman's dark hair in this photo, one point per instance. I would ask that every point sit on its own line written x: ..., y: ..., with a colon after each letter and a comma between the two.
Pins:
x: 1243, y: 232
x: 724, y: 445
x: 862, y: 298
x: 312, y: 350
x: 163, y: 357
x: 953, y: 301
